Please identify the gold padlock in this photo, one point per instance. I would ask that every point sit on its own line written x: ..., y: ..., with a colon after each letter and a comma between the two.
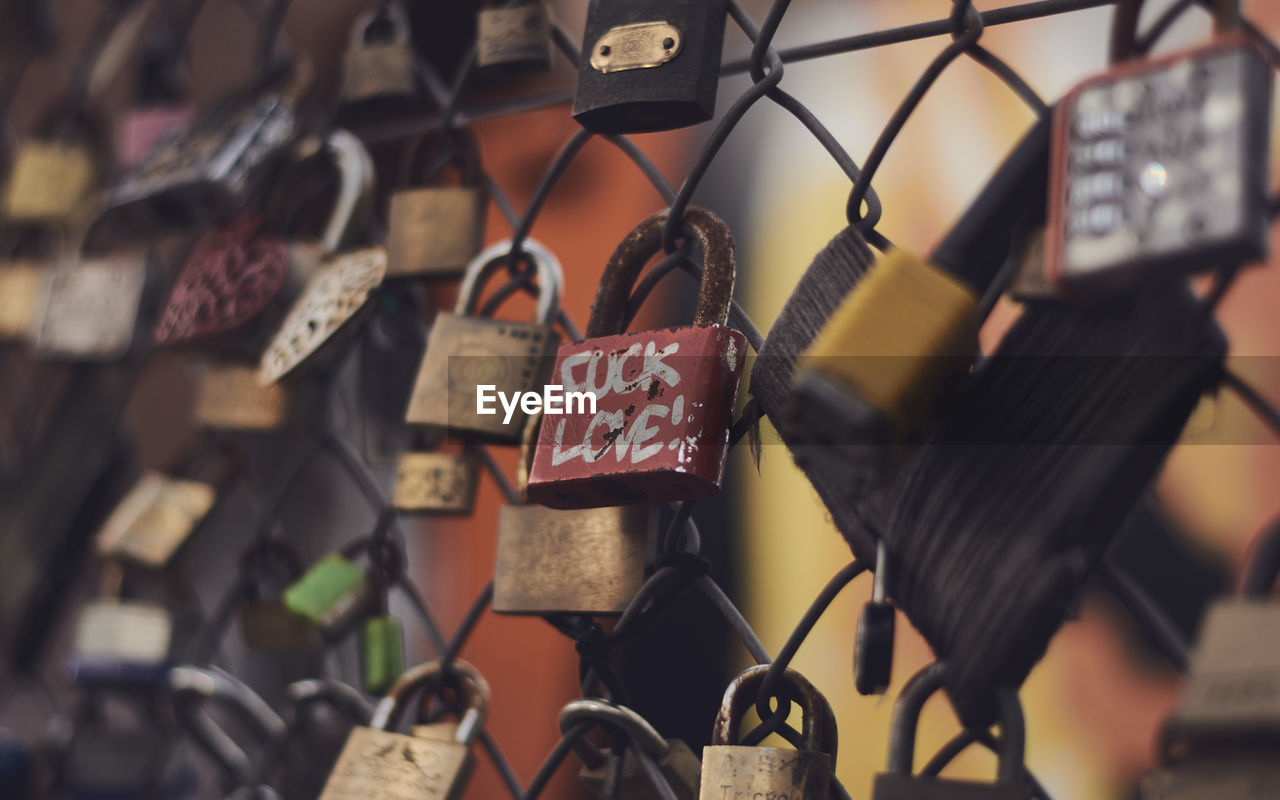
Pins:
x: 378, y: 764
x: 153, y: 520
x: 514, y: 37
x: 378, y: 64
x: 228, y: 396
x: 436, y: 229
x: 578, y: 561
x: 676, y: 762
x: 435, y: 483
x: 49, y: 180
x: 467, y: 353
x: 20, y: 284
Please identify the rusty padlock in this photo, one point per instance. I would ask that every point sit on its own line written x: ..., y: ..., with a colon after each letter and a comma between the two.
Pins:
x: 467, y: 354
x: 378, y: 65
x: 514, y: 37
x: 659, y: 429
x: 677, y: 764
x: 736, y: 771
x: 436, y: 229
x: 435, y: 482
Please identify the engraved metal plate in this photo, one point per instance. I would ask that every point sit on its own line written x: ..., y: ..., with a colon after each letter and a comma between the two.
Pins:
x: 232, y: 274
x: 19, y: 296
x: 637, y: 46
x: 332, y: 297
x: 154, y: 519
x: 230, y: 397
x: 378, y: 765
x: 514, y: 35
x: 440, y: 483
x: 90, y: 310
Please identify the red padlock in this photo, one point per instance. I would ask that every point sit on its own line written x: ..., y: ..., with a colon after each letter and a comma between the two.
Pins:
x: 663, y: 399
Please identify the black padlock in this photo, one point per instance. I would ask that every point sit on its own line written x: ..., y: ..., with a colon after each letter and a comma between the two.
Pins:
x: 649, y: 65
x: 873, y: 649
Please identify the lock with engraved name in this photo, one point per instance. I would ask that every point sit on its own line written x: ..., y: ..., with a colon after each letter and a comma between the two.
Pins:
x: 899, y: 784
x: 567, y: 561
x: 648, y: 65
x: 378, y: 64
x: 741, y: 771
x: 514, y: 37
x: 676, y: 762
x: 435, y: 761
x: 659, y: 429
x: 466, y: 352
x: 120, y: 642
x: 435, y: 482
x: 193, y: 688
x: 433, y: 228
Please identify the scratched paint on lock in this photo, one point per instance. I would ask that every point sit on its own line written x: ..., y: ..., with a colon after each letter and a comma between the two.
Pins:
x: 664, y: 403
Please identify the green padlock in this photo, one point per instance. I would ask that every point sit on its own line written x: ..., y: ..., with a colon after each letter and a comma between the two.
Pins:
x: 333, y: 595
x: 381, y: 652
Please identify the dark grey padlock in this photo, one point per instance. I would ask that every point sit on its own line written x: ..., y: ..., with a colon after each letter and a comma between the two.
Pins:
x: 649, y: 65
x: 677, y: 763
x: 899, y: 784
x: 873, y: 649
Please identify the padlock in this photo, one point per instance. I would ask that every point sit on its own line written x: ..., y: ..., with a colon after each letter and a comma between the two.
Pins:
x: 229, y: 397
x: 20, y: 288
x: 121, y: 642
x: 153, y: 520
x: 515, y: 37
x: 267, y: 624
x: 54, y: 172
x: 1160, y: 168
x: 378, y: 64
x: 339, y: 291
x: 437, y: 229
x: 677, y: 763
x: 738, y: 771
x: 1231, y: 776
x: 899, y: 784
x: 435, y: 483
x: 659, y: 429
x: 575, y: 561
x: 648, y: 65
x: 381, y: 652
x: 333, y: 595
x: 378, y: 764
x: 89, y: 311
x: 161, y: 104
x: 467, y: 354
x: 321, y: 714
x: 873, y: 649
x: 192, y: 688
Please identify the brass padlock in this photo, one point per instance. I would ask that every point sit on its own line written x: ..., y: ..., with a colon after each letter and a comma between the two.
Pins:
x: 467, y: 354
x: 90, y: 310
x: 192, y: 688
x: 153, y: 520
x: 677, y: 763
x: 736, y: 771
x: 378, y: 764
x: 579, y: 561
x: 435, y: 483
x: 437, y: 229
x: 229, y: 397
x: 341, y: 287
x: 515, y: 37
x: 54, y: 172
x: 378, y: 64
x: 20, y: 287
x: 899, y: 784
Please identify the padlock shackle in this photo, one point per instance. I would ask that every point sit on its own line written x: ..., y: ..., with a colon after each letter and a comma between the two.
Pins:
x: 461, y: 675
x: 635, y: 727
x: 494, y: 257
x: 457, y: 147
x: 818, y: 732
x: 389, y: 10
x: 191, y: 687
x: 343, y: 697
x: 355, y: 185
x: 715, y: 294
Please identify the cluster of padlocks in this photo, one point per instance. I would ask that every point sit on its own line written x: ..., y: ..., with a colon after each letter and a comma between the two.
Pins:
x: 1134, y: 180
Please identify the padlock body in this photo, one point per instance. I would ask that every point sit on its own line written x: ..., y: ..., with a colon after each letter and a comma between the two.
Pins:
x: 434, y: 230
x: 580, y: 561
x: 735, y: 772
x: 89, y: 311
x: 333, y: 594
x: 153, y: 520
x: 121, y: 643
x: 663, y: 87
x: 514, y: 38
x: 228, y: 396
x: 381, y: 653
x: 377, y: 71
x: 48, y: 181
x: 892, y: 786
x: 142, y: 128
x: 435, y: 483
x: 679, y: 766
x: 268, y: 625
x: 660, y: 431
x: 873, y: 648
x: 1237, y: 776
x: 1160, y: 167
x: 465, y: 352
x: 20, y: 287
x: 378, y: 765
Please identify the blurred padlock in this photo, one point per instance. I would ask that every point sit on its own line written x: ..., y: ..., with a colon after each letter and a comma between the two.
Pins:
x: 435, y: 483
x: 677, y: 764
x: 120, y: 642
x: 436, y: 229
x: 193, y: 688
x: 514, y: 37
x: 229, y: 397
x: 55, y: 170
x: 658, y: 430
x: 90, y: 307
x: 20, y: 288
x: 267, y: 623
x: 378, y: 64
x: 333, y: 595
x: 153, y: 520
x: 873, y: 649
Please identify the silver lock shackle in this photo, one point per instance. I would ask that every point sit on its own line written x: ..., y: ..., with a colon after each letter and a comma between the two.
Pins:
x: 906, y: 717
x: 550, y: 278
x: 355, y: 185
x: 191, y: 687
x: 343, y: 697
x: 818, y: 730
x: 461, y: 675
x: 637, y: 729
